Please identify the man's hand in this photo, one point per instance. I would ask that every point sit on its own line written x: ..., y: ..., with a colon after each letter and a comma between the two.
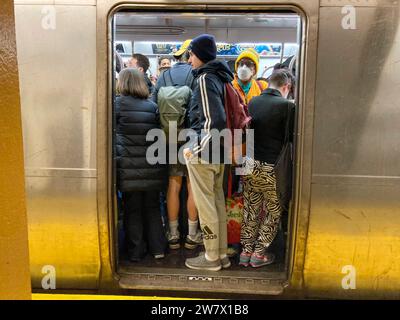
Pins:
x: 187, y: 153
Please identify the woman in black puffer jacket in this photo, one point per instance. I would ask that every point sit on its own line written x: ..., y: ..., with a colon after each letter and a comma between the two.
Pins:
x: 139, y: 181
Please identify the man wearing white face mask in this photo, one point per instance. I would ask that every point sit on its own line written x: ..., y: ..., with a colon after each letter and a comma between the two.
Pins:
x: 246, y: 67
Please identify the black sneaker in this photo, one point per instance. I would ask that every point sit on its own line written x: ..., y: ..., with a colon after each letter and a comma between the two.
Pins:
x: 136, y: 258
x: 192, y: 243
x: 174, y: 242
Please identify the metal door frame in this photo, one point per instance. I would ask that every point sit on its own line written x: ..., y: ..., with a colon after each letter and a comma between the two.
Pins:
x: 308, y: 10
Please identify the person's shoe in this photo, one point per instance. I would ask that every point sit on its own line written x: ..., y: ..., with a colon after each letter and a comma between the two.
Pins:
x: 193, y: 242
x: 257, y: 261
x: 225, y: 262
x: 159, y: 256
x: 201, y: 263
x: 174, y: 241
x: 134, y: 259
x: 244, y: 259
x: 232, y: 251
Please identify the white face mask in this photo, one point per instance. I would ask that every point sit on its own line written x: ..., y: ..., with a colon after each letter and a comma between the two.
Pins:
x: 244, y: 73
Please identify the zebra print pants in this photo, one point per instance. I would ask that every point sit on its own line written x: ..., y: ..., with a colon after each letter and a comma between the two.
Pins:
x: 259, y: 188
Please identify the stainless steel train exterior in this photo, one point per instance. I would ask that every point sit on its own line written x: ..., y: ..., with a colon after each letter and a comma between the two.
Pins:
x: 346, y: 208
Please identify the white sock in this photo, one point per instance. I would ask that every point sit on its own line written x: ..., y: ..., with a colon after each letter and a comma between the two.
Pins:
x: 209, y: 259
x: 193, y: 227
x: 173, y: 227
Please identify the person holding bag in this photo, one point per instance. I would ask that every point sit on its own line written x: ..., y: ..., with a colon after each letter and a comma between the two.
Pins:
x: 273, y: 121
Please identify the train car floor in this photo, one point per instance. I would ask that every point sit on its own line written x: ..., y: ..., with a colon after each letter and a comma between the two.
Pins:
x: 170, y: 273
x: 175, y: 260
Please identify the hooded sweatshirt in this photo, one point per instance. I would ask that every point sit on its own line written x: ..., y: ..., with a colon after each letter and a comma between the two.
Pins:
x: 207, y: 111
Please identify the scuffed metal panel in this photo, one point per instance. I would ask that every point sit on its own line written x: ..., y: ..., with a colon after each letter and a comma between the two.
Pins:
x: 57, y: 2
x: 14, y: 256
x: 356, y: 113
x: 63, y: 230
x: 58, y: 96
x: 354, y: 225
x: 355, y: 215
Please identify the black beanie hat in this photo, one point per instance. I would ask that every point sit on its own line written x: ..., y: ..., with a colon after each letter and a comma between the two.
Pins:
x: 204, y: 47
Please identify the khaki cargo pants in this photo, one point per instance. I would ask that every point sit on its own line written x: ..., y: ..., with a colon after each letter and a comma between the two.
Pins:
x: 207, y: 186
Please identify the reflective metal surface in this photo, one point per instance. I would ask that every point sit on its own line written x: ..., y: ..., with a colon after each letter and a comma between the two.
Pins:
x: 14, y: 256
x: 57, y: 2
x: 57, y: 69
x: 309, y: 10
x: 355, y: 205
x: 46, y: 167
x: 346, y: 205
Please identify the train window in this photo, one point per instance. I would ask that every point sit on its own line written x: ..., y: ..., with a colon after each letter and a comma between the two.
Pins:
x: 270, y: 40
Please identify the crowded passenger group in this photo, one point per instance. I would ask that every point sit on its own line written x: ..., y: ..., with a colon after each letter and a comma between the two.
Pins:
x: 191, y: 92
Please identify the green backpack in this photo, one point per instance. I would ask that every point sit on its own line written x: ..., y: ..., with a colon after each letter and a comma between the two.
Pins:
x: 172, y: 102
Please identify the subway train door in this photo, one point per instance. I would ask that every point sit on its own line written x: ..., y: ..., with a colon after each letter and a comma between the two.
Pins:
x: 275, y: 36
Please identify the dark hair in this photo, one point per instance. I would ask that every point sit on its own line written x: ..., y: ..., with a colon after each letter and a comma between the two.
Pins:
x: 184, y: 57
x: 231, y: 65
x: 279, y: 66
x: 163, y: 58
x: 119, y: 63
x: 280, y: 77
x: 262, y: 79
x: 142, y: 61
x: 132, y: 83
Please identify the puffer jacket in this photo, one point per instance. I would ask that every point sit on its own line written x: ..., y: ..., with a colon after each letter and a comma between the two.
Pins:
x: 207, y: 110
x: 134, y: 118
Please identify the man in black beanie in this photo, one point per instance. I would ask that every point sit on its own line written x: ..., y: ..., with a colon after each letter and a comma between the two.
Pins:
x: 206, y: 168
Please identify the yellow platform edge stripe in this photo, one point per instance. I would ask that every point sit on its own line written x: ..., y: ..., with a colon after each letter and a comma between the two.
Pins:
x: 44, y: 296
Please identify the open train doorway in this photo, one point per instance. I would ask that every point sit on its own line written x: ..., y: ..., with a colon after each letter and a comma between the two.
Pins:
x: 274, y: 38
